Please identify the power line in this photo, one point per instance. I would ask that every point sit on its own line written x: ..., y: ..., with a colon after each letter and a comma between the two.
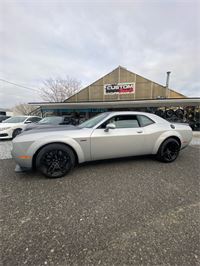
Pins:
x: 21, y: 86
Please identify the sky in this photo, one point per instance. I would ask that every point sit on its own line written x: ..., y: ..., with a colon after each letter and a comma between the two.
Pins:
x: 85, y: 40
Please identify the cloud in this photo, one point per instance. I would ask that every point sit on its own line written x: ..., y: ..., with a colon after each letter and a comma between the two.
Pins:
x: 87, y: 39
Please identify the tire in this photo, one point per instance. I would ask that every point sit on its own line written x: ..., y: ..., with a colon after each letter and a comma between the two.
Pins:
x: 159, y: 113
x: 169, y: 113
x: 168, y: 151
x: 55, y: 160
x: 16, y: 132
x: 179, y: 113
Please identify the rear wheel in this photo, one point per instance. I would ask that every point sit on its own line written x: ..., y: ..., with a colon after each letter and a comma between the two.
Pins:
x: 169, y: 150
x: 16, y: 132
x: 55, y: 160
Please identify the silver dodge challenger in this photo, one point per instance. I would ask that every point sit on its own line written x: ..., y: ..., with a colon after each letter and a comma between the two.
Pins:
x: 54, y: 152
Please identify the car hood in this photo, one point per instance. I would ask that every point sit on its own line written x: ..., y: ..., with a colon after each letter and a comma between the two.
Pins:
x: 57, y: 133
x: 35, y: 126
x: 48, y: 128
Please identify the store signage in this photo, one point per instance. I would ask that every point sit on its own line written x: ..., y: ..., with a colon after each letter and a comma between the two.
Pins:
x: 119, y: 88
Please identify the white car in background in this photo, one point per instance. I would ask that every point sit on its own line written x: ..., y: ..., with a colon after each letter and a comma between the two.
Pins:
x: 13, y: 126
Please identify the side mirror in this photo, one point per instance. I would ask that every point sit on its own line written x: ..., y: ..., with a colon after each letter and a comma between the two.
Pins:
x: 110, y: 126
x: 28, y: 122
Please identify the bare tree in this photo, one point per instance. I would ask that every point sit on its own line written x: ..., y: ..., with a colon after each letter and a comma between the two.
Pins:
x: 58, y: 90
x: 23, y: 109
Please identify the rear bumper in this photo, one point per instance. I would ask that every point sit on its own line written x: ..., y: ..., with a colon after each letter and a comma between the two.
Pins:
x: 183, y: 147
x: 185, y: 143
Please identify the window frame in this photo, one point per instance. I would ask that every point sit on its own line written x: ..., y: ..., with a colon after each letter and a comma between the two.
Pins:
x: 139, y: 125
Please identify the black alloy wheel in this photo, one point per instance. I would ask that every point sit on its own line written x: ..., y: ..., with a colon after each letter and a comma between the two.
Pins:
x: 16, y: 132
x: 169, y: 150
x: 55, y: 160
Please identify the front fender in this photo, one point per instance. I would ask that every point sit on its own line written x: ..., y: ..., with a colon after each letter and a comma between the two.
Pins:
x: 35, y: 146
x: 164, y: 136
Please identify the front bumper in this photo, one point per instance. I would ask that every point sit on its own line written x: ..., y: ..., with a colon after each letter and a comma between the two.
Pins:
x: 6, y: 134
x: 20, y: 154
x: 19, y: 169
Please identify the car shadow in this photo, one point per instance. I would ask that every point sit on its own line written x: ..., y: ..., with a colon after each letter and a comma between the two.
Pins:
x: 30, y: 174
x: 121, y: 160
x: 36, y: 175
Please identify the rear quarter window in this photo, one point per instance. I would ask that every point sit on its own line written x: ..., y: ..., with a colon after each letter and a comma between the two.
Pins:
x: 145, y: 121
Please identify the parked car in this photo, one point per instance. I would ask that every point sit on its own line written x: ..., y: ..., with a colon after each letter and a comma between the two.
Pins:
x: 109, y: 135
x: 3, y: 117
x: 2, y: 112
x: 51, y: 121
x: 13, y: 126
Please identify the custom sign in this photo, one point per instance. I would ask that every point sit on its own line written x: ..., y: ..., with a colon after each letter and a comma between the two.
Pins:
x: 119, y: 88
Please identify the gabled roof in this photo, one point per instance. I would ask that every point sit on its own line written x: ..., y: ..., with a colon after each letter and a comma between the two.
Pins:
x: 119, y: 69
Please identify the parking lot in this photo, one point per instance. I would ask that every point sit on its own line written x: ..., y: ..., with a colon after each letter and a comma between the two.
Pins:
x: 132, y: 211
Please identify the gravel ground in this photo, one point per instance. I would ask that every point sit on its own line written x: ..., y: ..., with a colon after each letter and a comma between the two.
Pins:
x: 5, y: 149
x: 134, y: 211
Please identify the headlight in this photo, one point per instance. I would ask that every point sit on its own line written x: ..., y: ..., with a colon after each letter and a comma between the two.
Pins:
x: 4, y: 128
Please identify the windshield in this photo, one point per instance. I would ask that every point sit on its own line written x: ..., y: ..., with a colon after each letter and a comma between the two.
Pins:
x: 55, y: 120
x: 93, y: 121
x: 15, y: 119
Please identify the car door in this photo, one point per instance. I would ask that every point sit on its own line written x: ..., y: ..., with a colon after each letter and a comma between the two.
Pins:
x: 127, y: 139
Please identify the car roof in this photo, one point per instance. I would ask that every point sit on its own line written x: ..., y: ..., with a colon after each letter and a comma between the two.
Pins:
x: 57, y: 116
x: 20, y: 116
x: 156, y: 118
x: 33, y: 116
x: 52, y: 116
x: 128, y: 112
x: 23, y: 116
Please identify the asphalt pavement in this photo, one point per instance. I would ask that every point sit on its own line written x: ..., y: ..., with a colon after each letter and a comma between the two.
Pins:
x: 132, y: 211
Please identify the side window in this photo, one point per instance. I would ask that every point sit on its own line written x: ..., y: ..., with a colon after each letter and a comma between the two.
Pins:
x: 122, y: 121
x: 37, y: 119
x: 145, y: 121
x: 34, y: 119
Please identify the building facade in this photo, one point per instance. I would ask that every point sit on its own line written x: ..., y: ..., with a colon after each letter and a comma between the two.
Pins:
x: 122, y: 89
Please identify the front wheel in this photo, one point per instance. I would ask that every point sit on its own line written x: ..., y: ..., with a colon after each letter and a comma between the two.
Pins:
x: 55, y: 160
x: 168, y: 151
x: 16, y: 132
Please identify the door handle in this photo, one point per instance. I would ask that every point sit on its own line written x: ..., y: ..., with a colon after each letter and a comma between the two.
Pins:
x: 139, y: 131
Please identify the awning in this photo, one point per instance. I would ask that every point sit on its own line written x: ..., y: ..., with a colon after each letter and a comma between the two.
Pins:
x: 119, y: 104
